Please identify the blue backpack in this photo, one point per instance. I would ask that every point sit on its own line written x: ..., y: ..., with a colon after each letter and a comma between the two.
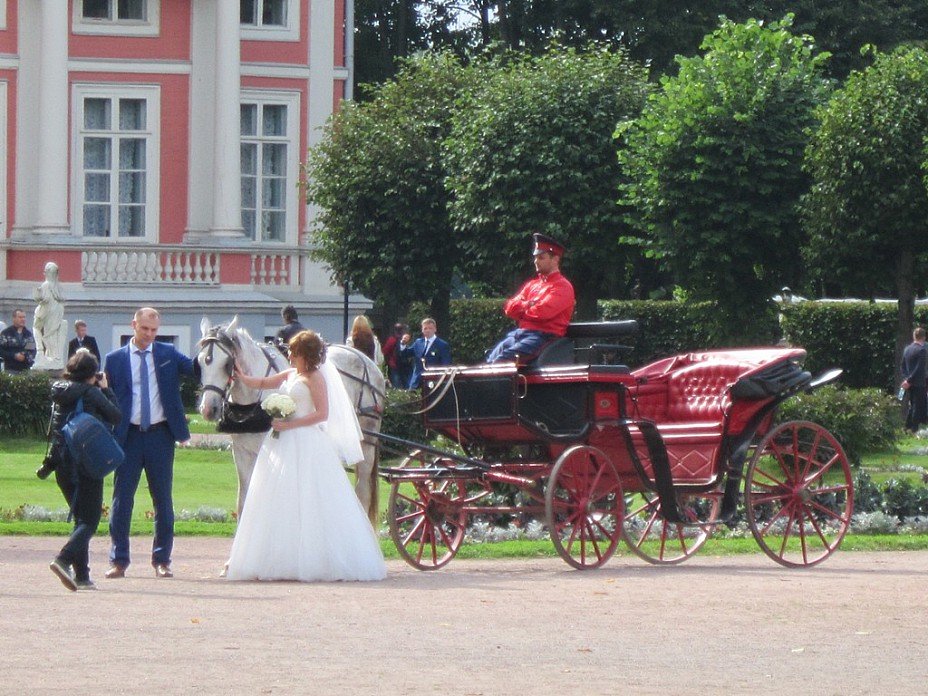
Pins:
x: 91, y: 444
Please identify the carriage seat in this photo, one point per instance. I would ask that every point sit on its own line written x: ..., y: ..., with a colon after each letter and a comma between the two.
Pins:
x: 689, y: 406
x: 699, y: 393
x: 560, y: 351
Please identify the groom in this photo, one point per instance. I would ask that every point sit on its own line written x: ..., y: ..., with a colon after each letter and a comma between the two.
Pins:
x: 145, y: 375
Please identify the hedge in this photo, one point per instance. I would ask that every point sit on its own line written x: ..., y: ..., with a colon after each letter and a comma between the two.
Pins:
x: 859, y: 337
x: 25, y: 403
x: 862, y: 420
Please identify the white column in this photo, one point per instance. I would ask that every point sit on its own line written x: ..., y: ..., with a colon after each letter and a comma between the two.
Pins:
x: 227, y: 193
x: 321, y: 85
x: 321, y: 96
x: 349, y: 48
x: 52, y: 145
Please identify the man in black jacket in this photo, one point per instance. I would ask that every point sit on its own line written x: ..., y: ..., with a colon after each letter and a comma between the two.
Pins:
x: 82, y: 340
x: 291, y: 328
x: 913, y: 380
x: 17, y: 344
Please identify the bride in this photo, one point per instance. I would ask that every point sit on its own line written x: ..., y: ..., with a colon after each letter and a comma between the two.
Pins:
x: 302, y: 519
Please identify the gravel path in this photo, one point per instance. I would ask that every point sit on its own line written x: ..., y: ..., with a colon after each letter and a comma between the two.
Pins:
x: 855, y: 625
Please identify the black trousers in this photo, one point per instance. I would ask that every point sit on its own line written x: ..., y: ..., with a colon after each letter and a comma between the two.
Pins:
x: 918, y: 408
x: 84, y: 496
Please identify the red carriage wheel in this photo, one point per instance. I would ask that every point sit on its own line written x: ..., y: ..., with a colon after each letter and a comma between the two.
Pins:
x: 655, y: 540
x: 426, y: 516
x: 798, y: 494
x: 584, y: 507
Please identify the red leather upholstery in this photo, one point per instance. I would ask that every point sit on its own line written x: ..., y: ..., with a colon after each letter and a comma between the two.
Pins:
x: 699, y: 392
x: 689, y: 404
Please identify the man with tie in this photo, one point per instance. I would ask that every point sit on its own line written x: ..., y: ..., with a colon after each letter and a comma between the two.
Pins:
x: 82, y: 340
x: 427, y: 350
x: 145, y: 376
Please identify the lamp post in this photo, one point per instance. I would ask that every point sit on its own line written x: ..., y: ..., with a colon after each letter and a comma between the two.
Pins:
x: 345, y: 312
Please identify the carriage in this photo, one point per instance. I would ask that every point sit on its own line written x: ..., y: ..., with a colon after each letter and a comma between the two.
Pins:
x: 656, y: 457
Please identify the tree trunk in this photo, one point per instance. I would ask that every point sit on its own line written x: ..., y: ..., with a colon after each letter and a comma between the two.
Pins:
x: 485, y: 24
x: 402, y: 28
x: 441, y: 310
x: 905, y: 288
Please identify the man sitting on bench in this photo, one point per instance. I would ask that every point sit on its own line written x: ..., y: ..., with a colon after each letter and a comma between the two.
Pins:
x: 542, y: 307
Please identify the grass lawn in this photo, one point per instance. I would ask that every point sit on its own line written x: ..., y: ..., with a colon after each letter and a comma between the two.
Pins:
x: 909, y: 461
x: 206, y: 480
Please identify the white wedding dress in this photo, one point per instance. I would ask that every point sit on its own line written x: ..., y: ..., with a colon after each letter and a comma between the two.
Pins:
x: 302, y: 519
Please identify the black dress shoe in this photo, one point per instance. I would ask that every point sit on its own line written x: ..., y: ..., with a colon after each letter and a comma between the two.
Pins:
x: 115, y: 571
x: 163, y: 570
x: 64, y: 574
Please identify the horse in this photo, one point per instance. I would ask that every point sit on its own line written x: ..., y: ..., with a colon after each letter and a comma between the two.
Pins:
x: 238, y: 408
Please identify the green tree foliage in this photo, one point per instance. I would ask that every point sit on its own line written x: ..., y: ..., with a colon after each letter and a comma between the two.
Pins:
x: 532, y: 150
x: 388, y: 31
x: 655, y: 31
x: 377, y: 178
x: 867, y: 210
x: 714, y: 167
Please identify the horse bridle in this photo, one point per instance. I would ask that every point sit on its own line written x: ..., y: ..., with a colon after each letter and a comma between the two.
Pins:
x: 216, y: 339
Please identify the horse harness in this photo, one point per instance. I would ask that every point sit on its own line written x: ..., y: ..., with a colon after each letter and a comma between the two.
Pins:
x: 234, y: 417
x: 376, y: 410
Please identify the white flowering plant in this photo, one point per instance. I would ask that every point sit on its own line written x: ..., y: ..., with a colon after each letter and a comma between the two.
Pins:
x: 278, y: 406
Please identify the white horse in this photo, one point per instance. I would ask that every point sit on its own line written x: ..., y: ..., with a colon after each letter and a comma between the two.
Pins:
x: 220, y: 347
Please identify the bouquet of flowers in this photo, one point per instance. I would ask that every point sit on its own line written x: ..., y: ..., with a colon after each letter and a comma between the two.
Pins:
x: 278, y: 406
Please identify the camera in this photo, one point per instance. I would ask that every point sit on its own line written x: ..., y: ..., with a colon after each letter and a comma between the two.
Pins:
x: 44, y: 471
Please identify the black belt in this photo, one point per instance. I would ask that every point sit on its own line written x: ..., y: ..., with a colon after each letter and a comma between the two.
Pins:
x: 152, y: 427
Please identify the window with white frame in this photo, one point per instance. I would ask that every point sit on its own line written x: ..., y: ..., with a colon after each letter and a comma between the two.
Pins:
x: 124, y: 17
x: 264, y: 13
x: 117, y: 150
x: 271, y: 20
x: 269, y: 141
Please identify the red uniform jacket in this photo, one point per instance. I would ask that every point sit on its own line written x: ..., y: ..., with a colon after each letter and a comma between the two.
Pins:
x: 545, y: 303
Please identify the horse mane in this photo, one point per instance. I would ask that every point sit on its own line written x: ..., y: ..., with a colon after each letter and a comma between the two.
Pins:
x: 253, y: 359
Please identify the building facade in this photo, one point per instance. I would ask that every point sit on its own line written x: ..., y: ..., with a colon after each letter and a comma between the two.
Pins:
x: 152, y: 150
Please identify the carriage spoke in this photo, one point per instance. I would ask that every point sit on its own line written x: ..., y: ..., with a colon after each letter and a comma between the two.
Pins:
x: 583, y: 503
x: 802, y: 520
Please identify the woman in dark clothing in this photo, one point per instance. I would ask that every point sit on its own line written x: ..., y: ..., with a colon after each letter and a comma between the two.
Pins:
x: 83, y: 494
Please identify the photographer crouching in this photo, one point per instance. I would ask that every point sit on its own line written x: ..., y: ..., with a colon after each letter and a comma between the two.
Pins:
x: 83, y: 494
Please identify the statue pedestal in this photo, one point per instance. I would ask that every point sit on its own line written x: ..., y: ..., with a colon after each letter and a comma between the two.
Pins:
x: 46, y: 364
x: 56, y: 361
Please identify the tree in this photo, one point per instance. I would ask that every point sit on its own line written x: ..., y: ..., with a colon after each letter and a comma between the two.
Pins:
x: 714, y: 167
x: 532, y: 150
x: 867, y: 209
x: 377, y: 179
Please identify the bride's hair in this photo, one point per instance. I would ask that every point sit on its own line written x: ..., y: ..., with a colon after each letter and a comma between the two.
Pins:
x: 309, y: 346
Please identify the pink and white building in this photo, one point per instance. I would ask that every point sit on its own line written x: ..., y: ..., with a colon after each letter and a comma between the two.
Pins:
x: 152, y: 149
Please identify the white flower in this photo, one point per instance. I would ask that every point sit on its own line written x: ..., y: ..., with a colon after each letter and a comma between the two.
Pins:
x: 279, y: 406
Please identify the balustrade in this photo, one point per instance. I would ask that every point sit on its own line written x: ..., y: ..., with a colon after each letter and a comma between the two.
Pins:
x: 182, y: 266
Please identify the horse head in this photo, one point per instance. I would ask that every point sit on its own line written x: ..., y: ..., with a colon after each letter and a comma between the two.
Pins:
x: 216, y: 354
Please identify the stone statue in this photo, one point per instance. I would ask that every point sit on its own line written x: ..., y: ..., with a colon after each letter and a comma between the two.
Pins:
x: 48, y: 324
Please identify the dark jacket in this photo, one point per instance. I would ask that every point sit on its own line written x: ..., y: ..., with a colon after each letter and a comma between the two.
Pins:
x: 100, y: 403
x: 914, y: 364
x: 90, y: 343
x: 438, y: 353
x: 13, y: 342
x: 287, y: 332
